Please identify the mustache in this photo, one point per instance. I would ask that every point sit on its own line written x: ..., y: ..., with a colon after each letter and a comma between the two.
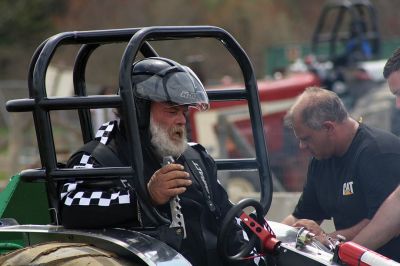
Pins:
x: 177, y: 129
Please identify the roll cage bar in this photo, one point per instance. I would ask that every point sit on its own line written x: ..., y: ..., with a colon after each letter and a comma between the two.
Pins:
x: 363, y: 27
x: 138, y: 40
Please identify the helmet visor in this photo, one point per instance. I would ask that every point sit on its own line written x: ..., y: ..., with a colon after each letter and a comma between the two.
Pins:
x: 178, y: 85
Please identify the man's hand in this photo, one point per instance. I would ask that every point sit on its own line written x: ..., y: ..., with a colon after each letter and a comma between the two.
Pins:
x: 314, y: 228
x: 167, y: 182
x: 310, y: 225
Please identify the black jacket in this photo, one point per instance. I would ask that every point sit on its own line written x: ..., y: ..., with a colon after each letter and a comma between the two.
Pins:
x: 204, y: 203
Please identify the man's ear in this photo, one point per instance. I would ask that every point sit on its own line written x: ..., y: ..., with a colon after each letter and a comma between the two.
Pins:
x: 328, y: 126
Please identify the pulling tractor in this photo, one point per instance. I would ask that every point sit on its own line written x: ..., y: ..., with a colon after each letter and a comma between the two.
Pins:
x: 30, y: 230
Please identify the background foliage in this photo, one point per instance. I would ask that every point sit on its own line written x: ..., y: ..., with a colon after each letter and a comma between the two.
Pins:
x: 256, y: 24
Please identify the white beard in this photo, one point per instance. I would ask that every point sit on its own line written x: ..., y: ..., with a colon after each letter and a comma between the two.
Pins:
x: 162, y: 142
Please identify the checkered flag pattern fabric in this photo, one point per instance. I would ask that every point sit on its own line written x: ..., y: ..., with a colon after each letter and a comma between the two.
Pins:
x: 104, y: 131
x: 97, y: 198
x: 86, y: 162
x: 68, y: 187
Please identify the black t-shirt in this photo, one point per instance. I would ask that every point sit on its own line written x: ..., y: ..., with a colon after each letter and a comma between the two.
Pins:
x: 352, y: 187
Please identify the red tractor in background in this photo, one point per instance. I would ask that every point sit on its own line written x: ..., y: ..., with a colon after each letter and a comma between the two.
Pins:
x: 344, y: 49
x: 225, y: 131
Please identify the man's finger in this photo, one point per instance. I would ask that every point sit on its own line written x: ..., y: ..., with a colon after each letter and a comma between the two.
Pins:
x: 170, y: 167
x: 175, y: 191
x: 179, y: 183
x: 174, y: 175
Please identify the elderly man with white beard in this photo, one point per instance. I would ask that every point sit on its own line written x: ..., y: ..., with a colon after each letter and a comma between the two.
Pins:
x: 164, y: 90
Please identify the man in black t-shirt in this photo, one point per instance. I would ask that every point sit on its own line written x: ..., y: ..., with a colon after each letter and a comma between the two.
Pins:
x: 353, y: 170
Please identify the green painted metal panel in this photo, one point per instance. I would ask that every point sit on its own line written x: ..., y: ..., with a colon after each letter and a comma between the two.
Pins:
x: 27, y: 204
x: 7, y: 193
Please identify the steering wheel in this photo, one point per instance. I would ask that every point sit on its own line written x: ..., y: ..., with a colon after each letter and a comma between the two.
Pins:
x: 227, y: 225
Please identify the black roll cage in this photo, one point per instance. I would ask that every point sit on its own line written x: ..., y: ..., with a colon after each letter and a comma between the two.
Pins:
x: 361, y: 12
x: 138, y: 40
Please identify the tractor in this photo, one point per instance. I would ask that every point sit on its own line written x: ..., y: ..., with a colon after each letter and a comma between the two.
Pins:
x: 30, y: 230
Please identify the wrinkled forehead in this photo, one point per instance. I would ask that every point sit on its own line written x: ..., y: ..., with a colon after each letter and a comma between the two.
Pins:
x: 177, y: 106
x: 170, y: 105
x: 297, y: 123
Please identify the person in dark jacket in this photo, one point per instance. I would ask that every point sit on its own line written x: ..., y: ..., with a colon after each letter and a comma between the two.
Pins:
x: 181, y: 177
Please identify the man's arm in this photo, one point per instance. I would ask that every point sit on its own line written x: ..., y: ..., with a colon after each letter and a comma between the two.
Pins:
x: 290, y: 220
x: 314, y: 227
x: 384, y: 225
x: 351, y: 232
